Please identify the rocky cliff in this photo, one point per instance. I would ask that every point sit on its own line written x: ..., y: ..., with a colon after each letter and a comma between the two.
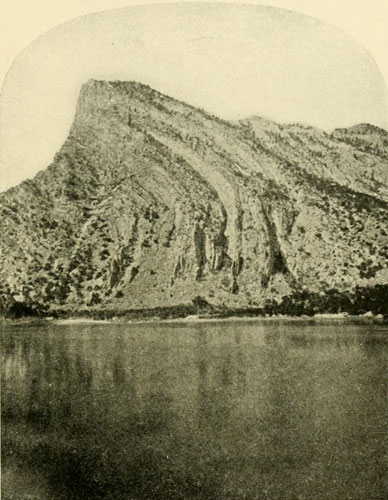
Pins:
x: 151, y: 202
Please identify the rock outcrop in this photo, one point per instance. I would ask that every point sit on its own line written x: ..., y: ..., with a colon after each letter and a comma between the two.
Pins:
x: 151, y: 202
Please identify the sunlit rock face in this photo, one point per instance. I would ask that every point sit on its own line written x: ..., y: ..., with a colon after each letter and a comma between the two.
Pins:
x: 151, y: 202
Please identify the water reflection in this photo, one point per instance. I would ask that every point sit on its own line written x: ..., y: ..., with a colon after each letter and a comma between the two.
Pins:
x: 218, y: 411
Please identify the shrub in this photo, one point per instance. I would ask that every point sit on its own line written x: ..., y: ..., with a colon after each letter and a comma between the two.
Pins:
x: 200, y: 302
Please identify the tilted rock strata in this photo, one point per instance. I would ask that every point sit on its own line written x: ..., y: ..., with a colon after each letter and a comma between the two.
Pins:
x: 151, y: 202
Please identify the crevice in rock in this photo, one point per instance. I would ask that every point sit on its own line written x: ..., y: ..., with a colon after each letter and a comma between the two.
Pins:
x: 200, y: 251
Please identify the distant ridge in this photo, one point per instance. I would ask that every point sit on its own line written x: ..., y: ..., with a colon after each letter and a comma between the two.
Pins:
x: 364, y: 128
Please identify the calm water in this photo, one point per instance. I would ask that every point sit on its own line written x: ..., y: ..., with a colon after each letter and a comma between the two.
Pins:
x: 247, y: 410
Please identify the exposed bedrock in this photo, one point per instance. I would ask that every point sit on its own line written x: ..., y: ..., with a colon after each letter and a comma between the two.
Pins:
x: 151, y: 202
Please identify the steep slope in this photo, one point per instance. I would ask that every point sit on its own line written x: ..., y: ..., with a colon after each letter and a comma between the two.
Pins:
x: 151, y: 202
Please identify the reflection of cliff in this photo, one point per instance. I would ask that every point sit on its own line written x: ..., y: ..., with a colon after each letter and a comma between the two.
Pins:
x: 195, y: 411
x: 151, y: 202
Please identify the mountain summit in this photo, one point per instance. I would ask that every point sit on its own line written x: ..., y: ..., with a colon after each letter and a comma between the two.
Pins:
x: 152, y: 203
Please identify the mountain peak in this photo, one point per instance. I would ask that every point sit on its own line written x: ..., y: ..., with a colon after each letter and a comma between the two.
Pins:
x: 118, y: 86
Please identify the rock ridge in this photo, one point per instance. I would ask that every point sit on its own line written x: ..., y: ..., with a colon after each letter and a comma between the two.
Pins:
x: 151, y: 202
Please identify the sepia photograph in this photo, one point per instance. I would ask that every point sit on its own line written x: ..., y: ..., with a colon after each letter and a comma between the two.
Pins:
x: 194, y: 250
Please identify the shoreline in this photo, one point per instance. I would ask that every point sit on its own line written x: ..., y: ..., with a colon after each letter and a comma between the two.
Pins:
x: 193, y: 319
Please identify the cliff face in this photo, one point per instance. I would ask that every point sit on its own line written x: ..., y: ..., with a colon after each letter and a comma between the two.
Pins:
x: 151, y: 202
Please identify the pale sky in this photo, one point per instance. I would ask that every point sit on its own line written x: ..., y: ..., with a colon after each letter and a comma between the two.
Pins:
x: 232, y: 60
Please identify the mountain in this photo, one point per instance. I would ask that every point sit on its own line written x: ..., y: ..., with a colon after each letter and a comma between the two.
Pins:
x: 152, y: 203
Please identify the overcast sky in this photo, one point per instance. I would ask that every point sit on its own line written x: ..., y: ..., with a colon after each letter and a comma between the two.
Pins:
x: 232, y: 60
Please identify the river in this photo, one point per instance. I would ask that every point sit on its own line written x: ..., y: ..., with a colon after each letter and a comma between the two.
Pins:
x: 228, y: 410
